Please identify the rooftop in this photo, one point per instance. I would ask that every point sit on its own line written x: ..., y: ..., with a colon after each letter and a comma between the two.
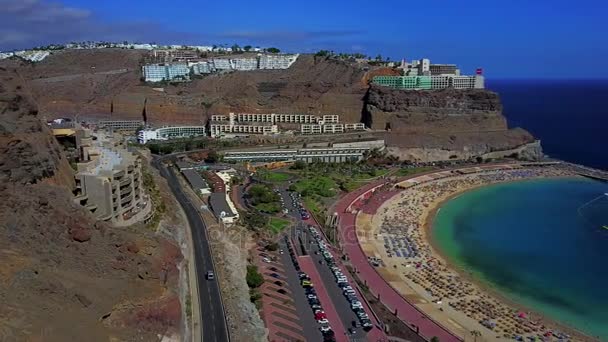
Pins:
x: 195, y: 179
x: 219, y: 204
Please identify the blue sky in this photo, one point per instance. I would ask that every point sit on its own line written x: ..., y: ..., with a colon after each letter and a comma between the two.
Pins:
x: 509, y: 38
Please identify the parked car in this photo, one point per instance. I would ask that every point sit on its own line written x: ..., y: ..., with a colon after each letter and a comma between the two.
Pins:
x: 323, y: 321
x: 275, y: 275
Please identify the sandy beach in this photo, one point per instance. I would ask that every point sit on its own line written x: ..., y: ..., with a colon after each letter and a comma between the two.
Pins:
x: 397, y: 239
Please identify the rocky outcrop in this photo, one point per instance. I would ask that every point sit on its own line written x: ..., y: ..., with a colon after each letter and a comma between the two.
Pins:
x: 63, y: 275
x: 28, y: 152
x: 447, y: 110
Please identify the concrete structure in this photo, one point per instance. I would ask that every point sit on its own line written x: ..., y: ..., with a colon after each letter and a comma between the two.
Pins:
x: 166, y: 72
x: 170, y: 132
x: 109, y: 179
x: 198, y: 184
x: 370, y: 144
x: 121, y: 125
x: 277, y: 61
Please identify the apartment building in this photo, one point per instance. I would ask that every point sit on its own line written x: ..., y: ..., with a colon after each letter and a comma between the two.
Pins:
x: 307, y: 129
x: 170, y: 132
x: 333, y: 128
x: 221, y: 64
x: 172, y: 55
x: 121, y: 125
x: 430, y: 82
x: 359, y: 126
x: 245, y: 64
x: 109, y: 179
x: 277, y: 61
x: 444, y: 69
x: 222, y: 128
x: 201, y: 68
x: 166, y: 72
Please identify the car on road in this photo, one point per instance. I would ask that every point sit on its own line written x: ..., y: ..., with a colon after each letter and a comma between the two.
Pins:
x: 316, y: 307
x: 209, y: 275
x: 367, y: 325
x: 325, y: 328
x: 323, y: 321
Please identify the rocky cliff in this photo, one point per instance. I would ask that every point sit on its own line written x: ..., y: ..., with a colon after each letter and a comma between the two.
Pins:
x: 447, y: 110
x: 106, y: 84
x: 63, y: 276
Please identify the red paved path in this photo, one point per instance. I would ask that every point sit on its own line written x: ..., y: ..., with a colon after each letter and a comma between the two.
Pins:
x: 388, y: 295
x: 335, y: 322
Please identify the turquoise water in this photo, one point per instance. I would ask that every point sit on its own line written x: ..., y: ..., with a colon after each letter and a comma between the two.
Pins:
x: 536, y: 243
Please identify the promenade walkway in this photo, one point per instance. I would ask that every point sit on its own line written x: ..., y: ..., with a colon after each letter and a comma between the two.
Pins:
x: 406, y: 311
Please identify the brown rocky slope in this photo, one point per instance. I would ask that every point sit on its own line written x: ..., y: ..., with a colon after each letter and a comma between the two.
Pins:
x: 63, y: 276
x: 106, y: 84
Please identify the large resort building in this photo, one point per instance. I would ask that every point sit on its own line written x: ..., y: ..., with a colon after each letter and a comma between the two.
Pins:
x: 172, y: 66
x: 267, y: 123
x: 422, y: 75
x: 109, y: 179
x: 170, y: 132
x: 338, y: 153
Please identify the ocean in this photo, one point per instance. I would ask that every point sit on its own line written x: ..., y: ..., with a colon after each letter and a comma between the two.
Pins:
x: 539, y: 242
x: 569, y: 116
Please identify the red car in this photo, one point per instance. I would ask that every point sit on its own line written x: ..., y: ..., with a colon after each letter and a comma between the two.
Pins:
x: 319, y: 315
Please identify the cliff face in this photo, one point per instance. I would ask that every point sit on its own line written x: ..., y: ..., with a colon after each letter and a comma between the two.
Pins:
x: 106, y: 84
x: 63, y: 276
x: 447, y: 110
x: 28, y: 152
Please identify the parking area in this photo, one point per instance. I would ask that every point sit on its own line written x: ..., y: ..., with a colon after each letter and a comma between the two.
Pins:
x: 353, y: 313
x: 279, y: 310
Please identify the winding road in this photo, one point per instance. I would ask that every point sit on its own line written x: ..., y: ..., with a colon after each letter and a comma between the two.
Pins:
x: 210, y: 299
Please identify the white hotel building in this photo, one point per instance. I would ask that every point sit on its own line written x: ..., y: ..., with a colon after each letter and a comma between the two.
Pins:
x: 170, y: 132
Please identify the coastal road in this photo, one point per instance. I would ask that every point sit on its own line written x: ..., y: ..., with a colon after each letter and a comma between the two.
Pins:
x: 210, y: 300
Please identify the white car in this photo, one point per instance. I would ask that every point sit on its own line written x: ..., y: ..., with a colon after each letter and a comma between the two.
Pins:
x: 266, y: 260
x: 325, y: 328
x: 323, y: 321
